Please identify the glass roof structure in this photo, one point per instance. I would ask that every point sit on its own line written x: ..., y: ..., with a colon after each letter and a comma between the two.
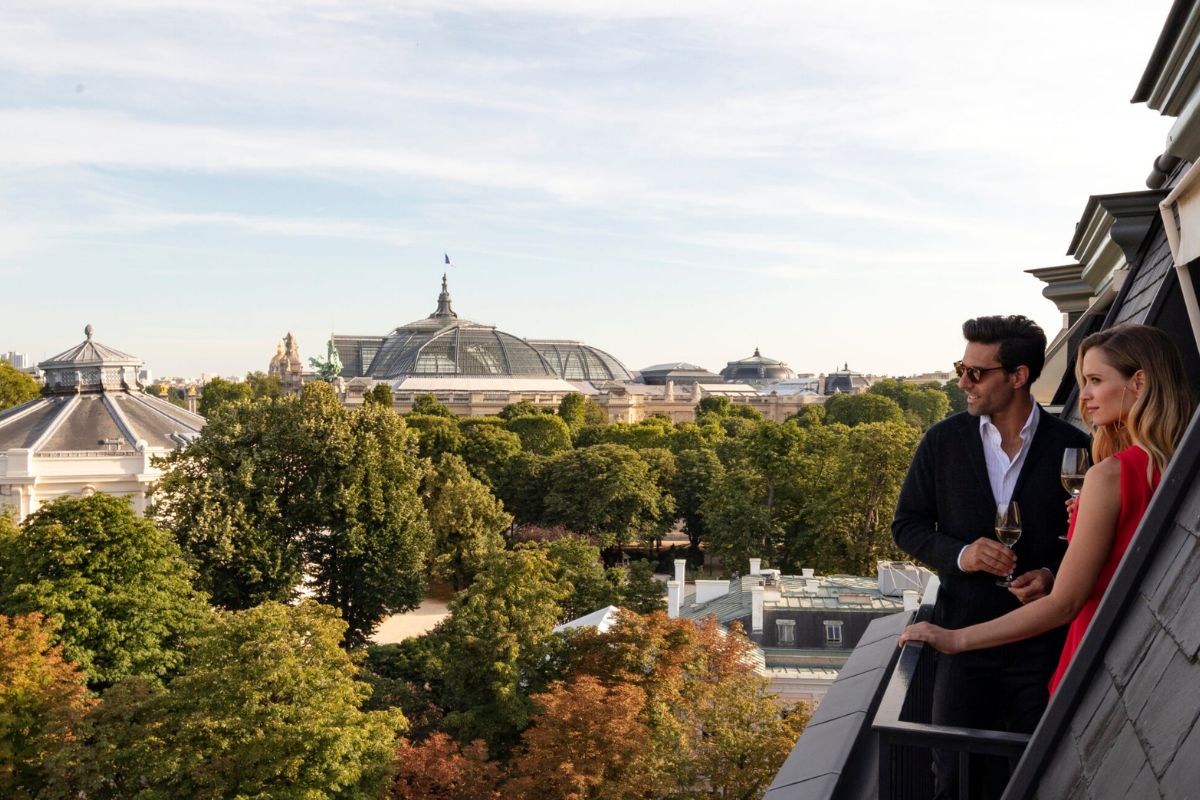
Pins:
x: 575, y: 361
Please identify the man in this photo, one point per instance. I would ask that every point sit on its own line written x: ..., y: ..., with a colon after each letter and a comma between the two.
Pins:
x: 1003, y: 448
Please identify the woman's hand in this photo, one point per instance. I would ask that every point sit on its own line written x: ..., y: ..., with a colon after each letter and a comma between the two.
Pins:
x: 1071, y: 503
x: 941, y: 639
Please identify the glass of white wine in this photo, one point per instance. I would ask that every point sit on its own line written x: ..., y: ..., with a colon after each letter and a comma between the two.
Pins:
x: 1008, y: 531
x: 1075, y: 464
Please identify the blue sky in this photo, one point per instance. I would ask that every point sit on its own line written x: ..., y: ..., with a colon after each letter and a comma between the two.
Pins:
x: 829, y: 182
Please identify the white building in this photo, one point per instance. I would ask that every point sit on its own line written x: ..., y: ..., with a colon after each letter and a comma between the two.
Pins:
x: 92, y: 430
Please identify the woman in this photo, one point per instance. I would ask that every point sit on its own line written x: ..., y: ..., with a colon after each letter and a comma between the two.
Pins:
x: 1133, y: 393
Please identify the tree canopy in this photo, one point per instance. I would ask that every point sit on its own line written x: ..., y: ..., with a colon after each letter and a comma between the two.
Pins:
x: 467, y: 523
x: 265, y: 705
x: 116, y: 586
x: 275, y: 488
x: 16, y: 387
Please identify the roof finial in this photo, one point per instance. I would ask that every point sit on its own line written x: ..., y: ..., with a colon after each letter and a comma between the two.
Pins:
x: 88, y: 331
x: 756, y: 353
x: 444, y: 309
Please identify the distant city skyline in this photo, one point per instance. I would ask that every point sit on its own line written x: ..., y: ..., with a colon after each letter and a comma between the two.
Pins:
x: 668, y: 182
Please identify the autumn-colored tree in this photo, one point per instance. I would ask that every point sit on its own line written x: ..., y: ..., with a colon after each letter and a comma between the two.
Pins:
x: 439, y: 768
x: 42, y: 699
x: 690, y: 673
x: 587, y: 742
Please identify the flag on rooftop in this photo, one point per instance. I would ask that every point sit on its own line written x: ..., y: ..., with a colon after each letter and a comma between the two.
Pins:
x: 447, y: 259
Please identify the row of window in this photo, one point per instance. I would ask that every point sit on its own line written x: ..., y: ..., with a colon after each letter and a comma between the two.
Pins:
x: 785, y: 631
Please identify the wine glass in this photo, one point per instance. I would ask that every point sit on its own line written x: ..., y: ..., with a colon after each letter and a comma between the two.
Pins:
x: 1075, y: 464
x: 1008, y: 531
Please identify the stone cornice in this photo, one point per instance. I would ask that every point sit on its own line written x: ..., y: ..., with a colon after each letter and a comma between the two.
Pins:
x: 1110, y: 232
x: 1172, y: 77
x: 1065, y: 286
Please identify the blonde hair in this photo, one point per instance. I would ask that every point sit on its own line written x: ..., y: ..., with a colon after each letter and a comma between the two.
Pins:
x: 1160, y: 414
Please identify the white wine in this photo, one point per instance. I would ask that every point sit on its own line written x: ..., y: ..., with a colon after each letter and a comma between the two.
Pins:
x: 1008, y: 535
x: 1073, y: 483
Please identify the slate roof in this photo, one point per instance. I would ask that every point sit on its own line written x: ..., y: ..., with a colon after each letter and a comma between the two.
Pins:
x: 836, y: 751
x: 841, y: 592
x: 92, y: 403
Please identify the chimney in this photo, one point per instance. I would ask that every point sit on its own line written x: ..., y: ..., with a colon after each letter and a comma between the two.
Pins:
x: 756, y: 566
x: 910, y: 600
x: 680, y: 566
x: 674, y: 598
x: 807, y: 572
x: 756, y: 610
x: 669, y: 395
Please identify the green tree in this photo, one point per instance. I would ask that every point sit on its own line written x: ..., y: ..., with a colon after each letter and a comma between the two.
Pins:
x: 955, y: 394
x: 366, y: 553
x: 497, y: 640
x: 544, y: 434
x: 738, y: 519
x: 808, y: 416
x: 42, y: 700
x: 429, y: 406
x: 467, y: 523
x: 16, y: 387
x: 523, y: 408
x: 922, y: 406
x: 577, y: 567
x: 301, y: 484
x: 263, y: 385
x: 571, y: 411
x: 436, y: 434
x: 699, y: 471
x: 488, y: 450
x: 606, y: 491
x: 380, y: 393
x: 116, y: 585
x: 652, y: 432
x: 219, y: 392
x: 713, y: 407
x: 639, y: 590
x: 850, y: 481
x: 523, y: 485
x: 266, y: 705
x: 857, y: 409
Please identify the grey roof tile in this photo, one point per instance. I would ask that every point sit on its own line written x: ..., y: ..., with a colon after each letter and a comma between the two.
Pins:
x: 1163, y: 572
x: 1097, y: 738
x: 822, y: 750
x: 1182, y: 778
x: 854, y: 695
x: 870, y: 656
x: 1171, y: 712
x: 1145, y: 786
x: 1184, y: 625
x: 819, y: 788
x: 1144, y: 679
x: 1121, y: 764
x: 1131, y: 642
x: 1063, y: 775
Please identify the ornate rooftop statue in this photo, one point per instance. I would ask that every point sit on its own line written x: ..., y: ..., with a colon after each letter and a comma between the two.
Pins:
x: 330, y: 368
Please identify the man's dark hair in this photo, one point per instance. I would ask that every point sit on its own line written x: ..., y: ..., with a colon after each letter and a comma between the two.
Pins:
x: 1021, y: 340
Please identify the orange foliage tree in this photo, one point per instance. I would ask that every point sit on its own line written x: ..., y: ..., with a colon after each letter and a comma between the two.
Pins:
x: 42, y: 698
x: 440, y: 769
x: 588, y: 742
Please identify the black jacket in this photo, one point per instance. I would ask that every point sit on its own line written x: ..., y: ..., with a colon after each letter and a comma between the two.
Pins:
x: 946, y: 503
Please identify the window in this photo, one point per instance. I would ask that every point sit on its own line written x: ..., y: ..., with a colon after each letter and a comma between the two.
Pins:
x: 833, y: 631
x: 785, y: 631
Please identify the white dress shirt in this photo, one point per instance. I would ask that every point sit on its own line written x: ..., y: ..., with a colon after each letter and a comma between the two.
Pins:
x: 1003, y: 471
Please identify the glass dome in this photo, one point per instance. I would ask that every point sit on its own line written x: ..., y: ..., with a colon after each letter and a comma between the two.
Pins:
x: 575, y: 361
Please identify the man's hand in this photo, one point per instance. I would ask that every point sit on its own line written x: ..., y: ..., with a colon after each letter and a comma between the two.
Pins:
x: 988, y: 555
x: 941, y: 639
x: 1032, y: 585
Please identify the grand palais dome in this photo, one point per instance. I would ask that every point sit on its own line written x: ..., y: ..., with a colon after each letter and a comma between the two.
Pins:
x: 445, y: 345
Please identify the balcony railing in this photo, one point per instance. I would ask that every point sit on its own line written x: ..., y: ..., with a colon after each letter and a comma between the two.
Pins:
x: 906, y: 737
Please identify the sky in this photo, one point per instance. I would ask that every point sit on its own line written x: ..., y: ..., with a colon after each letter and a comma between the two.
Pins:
x: 830, y: 182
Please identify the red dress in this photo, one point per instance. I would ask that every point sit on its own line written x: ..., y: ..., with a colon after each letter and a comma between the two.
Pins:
x: 1135, y: 497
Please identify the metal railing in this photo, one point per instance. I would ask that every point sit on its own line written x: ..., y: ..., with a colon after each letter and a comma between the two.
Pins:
x: 907, y: 737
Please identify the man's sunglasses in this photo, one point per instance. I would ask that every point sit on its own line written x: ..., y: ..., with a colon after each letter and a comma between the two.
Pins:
x: 974, y: 374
